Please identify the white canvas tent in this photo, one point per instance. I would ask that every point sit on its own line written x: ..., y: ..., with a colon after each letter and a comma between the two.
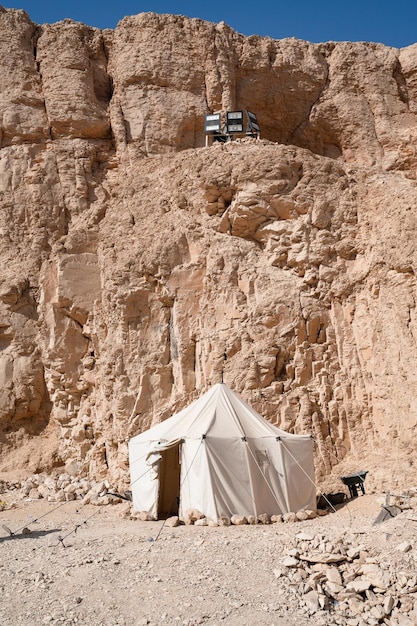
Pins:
x: 221, y: 457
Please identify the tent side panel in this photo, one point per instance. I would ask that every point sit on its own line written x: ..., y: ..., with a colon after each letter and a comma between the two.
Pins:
x: 195, y: 487
x: 143, y: 479
x: 232, y: 490
x: 297, y: 456
x: 268, y: 477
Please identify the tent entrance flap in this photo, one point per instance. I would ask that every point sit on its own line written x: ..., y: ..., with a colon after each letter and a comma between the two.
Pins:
x: 169, y: 482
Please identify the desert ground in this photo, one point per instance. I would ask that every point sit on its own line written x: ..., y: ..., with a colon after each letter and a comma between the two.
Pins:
x: 69, y: 563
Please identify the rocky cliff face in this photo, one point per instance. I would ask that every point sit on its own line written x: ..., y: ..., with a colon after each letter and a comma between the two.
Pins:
x: 138, y: 264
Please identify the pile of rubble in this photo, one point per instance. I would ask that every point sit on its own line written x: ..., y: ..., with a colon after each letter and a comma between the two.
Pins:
x: 62, y: 488
x: 345, y: 583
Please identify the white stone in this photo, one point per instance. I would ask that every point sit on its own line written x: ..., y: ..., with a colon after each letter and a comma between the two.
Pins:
x: 356, y: 605
x: 379, y: 581
x: 353, y: 553
x: 334, y: 588
x: 312, y: 600
x: 34, y: 494
x: 389, y: 604
x: 333, y: 575
x: 71, y: 467
x: 70, y: 489
x: 404, y: 547
x: 44, y: 491
x: 304, y: 536
x: 323, y: 558
x: 142, y: 516
x: 192, y: 515
x: 377, y: 612
x: 359, y: 585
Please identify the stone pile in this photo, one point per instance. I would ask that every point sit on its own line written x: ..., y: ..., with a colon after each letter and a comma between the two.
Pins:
x: 9, y: 485
x: 339, y: 581
x: 62, y: 488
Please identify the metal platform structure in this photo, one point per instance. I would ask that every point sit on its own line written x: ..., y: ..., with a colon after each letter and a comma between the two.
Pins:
x: 226, y: 126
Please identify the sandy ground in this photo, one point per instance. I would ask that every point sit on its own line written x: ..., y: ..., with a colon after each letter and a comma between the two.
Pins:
x: 87, y: 565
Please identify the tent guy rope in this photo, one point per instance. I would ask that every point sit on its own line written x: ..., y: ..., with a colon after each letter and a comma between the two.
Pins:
x: 12, y: 533
x: 75, y: 530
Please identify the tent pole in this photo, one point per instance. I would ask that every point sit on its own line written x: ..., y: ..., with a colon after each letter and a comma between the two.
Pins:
x: 224, y: 361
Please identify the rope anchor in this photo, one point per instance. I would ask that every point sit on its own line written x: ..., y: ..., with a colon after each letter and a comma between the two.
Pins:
x: 7, y: 529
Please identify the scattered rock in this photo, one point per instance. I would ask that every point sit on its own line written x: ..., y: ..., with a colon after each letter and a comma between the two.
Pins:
x: 404, y: 547
x: 142, y: 516
x: 71, y: 467
x: 212, y: 523
x: 333, y: 575
x: 191, y: 516
x: 323, y: 558
x: 304, y: 536
x: 290, y: 561
x: 359, y: 585
x: 125, y: 511
x: 34, y: 494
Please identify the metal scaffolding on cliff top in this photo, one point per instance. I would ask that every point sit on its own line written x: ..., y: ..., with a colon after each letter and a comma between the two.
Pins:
x: 223, y: 127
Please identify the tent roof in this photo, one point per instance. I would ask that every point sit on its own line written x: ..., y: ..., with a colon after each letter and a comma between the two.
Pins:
x: 218, y: 413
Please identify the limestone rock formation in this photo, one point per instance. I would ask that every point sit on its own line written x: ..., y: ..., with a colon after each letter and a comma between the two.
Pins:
x: 139, y: 266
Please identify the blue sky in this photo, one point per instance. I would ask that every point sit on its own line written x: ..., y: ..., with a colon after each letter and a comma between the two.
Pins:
x: 393, y: 23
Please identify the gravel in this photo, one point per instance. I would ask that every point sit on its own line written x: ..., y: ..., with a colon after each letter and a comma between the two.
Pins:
x: 82, y: 564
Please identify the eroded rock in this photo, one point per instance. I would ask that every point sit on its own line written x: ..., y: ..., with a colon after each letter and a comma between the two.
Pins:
x: 135, y: 259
